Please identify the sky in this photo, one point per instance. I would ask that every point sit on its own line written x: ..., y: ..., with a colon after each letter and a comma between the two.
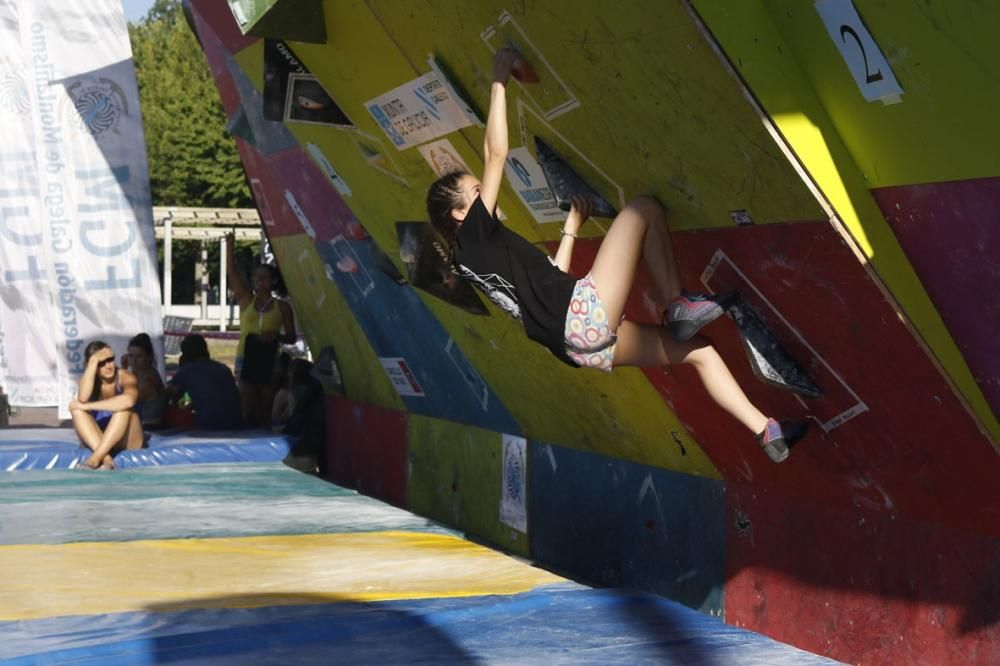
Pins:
x: 136, y: 9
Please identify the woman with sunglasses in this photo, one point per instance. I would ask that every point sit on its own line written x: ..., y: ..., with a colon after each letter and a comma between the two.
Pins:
x: 103, y: 412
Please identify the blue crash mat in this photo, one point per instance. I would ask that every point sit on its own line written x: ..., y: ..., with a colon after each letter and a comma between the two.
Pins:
x: 59, y: 448
x: 560, y: 625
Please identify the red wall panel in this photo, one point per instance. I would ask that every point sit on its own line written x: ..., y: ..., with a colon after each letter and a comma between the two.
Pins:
x: 860, y: 586
x: 366, y: 449
x: 914, y: 452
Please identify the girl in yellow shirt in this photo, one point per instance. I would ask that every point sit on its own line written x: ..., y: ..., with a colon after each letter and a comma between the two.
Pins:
x: 262, y: 318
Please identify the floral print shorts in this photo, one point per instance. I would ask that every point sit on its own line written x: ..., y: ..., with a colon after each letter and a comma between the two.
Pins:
x: 590, y: 342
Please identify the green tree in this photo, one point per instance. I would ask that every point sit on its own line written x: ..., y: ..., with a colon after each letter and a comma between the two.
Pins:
x: 192, y: 161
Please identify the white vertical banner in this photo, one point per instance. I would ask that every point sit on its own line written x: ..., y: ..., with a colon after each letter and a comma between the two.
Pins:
x: 92, y: 224
x: 513, y: 499
x: 27, y: 357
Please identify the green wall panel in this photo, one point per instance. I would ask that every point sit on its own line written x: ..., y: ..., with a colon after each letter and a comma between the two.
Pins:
x: 455, y: 476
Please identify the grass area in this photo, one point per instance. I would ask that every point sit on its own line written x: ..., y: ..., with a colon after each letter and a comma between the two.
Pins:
x: 223, y: 351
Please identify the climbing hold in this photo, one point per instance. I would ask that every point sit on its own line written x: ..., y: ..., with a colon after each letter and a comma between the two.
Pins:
x: 565, y: 183
x: 347, y: 265
x: 770, y: 361
x: 384, y: 264
x: 356, y: 231
x: 238, y: 127
x: 523, y: 71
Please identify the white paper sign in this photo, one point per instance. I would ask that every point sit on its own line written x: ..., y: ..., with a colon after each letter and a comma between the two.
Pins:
x: 443, y: 157
x: 514, y: 502
x: 317, y: 154
x: 402, y: 378
x: 419, y: 111
x: 525, y: 175
x: 863, y: 56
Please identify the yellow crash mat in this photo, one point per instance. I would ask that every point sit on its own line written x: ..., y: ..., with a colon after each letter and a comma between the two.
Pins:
x: 38, y: 581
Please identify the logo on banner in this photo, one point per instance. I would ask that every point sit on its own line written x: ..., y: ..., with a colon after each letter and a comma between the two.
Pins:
x: 98, y: 105
x: 514, y: 502
x: 13, y: 89
x: 513, y: 475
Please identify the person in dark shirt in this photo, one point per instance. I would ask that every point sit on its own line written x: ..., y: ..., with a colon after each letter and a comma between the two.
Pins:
x: 211, y: 385
x: 582, y: 321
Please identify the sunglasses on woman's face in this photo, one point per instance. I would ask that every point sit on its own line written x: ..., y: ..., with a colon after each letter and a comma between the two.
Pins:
x: 105, y: 362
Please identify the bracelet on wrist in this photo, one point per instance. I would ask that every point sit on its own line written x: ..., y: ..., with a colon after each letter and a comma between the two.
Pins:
x: 566, y: 233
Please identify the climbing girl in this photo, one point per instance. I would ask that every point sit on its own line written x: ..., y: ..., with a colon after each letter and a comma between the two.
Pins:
x: 582, y: 321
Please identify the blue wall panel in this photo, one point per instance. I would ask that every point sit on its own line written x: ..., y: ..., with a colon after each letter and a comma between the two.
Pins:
x: 620, y: 523
x: 397, y: 324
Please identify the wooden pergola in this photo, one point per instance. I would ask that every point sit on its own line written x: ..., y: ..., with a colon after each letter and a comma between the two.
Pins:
x: 204, y: 225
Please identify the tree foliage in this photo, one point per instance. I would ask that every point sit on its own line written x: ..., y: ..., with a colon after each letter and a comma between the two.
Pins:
x: 192, y: 161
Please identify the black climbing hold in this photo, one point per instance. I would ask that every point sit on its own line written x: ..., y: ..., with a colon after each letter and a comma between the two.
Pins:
x: 566, y: 183
x: 238, y: 126
x: 770, y: 361
x: 384, y: 264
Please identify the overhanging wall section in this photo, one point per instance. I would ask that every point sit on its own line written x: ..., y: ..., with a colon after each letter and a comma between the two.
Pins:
x: 638, y: 103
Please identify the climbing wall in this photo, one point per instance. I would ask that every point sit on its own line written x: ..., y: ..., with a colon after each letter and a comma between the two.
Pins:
x: 859, y: 232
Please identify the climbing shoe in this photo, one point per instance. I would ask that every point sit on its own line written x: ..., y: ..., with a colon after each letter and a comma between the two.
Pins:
x: 778, y: 437
x: 686, y: 314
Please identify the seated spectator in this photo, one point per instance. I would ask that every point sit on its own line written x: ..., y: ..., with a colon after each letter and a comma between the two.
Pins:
x: 307, y: 419
x: 141, y: 361
x: 103, y: 411
x: 210, y: 384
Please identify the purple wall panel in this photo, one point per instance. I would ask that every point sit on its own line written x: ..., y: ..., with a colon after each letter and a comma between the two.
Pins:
x: 951, y: 235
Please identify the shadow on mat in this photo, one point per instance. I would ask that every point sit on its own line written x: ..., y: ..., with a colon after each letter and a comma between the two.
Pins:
x: 293, y: 628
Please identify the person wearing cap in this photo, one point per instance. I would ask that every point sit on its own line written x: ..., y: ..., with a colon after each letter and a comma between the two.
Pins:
x: 214, y: 396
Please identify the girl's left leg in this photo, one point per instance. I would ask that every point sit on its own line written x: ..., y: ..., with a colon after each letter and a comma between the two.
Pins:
x: 86, y: 428
x: 648, y: 346
x: 638, y: 232
x: 135, y: 437
x: 114, y: 435
x: 641, y: 230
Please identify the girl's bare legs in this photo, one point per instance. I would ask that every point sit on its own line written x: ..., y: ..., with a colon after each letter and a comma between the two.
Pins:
x: 136, y: 437
x: 658, y: 251
x: 648, y: 346
x: 86, y: 428
x: 88, y: 431
x: 640, y: 230
x: 123, y: 428
x: 114, y: 433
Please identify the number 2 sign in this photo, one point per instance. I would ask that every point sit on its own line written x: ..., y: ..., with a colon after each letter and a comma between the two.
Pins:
x: 864, y: 58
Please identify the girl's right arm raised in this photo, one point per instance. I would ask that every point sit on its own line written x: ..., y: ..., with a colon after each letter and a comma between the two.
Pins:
x: 88, y: 379
x: 495, y: 145
x: 236, y: 283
